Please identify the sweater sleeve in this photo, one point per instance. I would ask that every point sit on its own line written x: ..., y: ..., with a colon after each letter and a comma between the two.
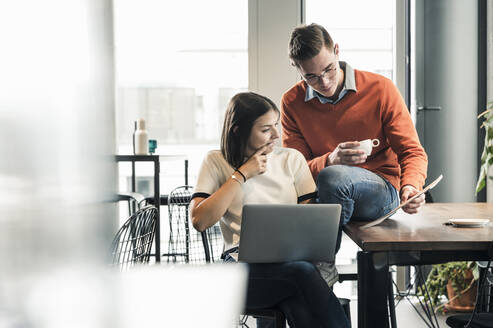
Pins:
x: 303, y: 180
x: 403, y: 138
x: 293, y: 138
x: 208, y: 178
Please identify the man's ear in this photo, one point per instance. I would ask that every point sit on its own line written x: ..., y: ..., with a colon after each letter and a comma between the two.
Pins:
x: 336, y: 49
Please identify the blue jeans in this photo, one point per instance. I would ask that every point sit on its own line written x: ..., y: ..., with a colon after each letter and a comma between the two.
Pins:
x: 363, y: 195
x: 298, y: 290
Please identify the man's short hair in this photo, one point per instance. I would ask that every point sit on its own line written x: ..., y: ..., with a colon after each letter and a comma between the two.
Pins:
x: 307, y: 41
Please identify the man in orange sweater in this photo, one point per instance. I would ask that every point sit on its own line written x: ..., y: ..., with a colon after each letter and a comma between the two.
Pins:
x: 330, y: 110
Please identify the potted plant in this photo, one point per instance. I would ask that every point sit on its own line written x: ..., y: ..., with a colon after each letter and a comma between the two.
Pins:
x: 487, y: 155
x: 455, y: 280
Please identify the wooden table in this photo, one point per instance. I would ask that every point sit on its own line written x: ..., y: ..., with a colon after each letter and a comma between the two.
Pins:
x: 413, y: 239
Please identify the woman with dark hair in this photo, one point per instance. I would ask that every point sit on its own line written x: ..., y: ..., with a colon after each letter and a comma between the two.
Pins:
x: 250, y: 169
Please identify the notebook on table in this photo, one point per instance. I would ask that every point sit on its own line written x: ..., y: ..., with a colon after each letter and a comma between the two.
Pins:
x: 274, y: 233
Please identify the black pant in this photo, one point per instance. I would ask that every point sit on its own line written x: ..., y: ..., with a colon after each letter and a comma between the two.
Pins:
x: 298, y: 290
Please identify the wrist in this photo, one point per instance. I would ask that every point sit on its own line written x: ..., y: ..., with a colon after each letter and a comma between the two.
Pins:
x: 408, y: 186
x: 242, y: 176
x: 238, y: 179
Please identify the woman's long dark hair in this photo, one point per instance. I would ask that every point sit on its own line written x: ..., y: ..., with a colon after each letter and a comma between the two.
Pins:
x: 243, y: 110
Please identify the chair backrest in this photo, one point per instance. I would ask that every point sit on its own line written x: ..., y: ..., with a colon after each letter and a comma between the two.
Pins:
x: 134, y: 200
x: 213, y: 243
x: 186, y: 245
x: 484, y: 303
x: 182, y: 244
x: 133, y: 241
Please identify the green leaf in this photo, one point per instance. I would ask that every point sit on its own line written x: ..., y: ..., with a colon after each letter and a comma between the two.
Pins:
x: 480, y: 185
x: 487, y: 153
x: 481, y: 180
x: 475, y: 272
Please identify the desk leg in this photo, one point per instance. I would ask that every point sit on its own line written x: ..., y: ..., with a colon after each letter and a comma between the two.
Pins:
x: 373, y: 273
x: 133, y: 176
x: 390, y: 287
x: 157, y: 203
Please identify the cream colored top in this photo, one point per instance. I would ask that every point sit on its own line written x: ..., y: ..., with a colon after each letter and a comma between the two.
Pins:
x: 287, y: 180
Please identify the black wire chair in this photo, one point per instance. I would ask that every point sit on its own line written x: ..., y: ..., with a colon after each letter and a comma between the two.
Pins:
x: 134, y: 200
x: 185, y: 244
x: 133, y: 241
x: 482, y: 315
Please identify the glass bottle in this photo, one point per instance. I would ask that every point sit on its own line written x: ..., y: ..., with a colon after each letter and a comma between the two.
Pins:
x: 141, y: 139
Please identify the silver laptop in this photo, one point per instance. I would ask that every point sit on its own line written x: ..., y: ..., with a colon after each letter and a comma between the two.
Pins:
x: 273, y: 233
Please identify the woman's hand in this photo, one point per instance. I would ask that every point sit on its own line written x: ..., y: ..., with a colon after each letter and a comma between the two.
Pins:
x: 256, y: 164
x: 206, y: 212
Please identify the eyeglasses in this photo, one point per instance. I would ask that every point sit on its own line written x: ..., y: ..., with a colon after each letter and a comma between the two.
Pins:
x: 330, y: 72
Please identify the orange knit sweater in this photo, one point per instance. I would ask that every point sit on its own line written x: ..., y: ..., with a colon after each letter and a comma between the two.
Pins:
x: 375, y: 110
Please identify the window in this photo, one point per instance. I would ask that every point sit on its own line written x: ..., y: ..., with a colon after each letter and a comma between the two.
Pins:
x: 363, y: 29
x: 177, y: 64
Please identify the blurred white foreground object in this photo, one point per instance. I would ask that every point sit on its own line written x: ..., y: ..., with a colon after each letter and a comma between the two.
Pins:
x: 57, y: 171
x: 183, y: 296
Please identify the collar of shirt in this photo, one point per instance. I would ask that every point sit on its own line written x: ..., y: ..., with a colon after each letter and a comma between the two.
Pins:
x: 349, y: 84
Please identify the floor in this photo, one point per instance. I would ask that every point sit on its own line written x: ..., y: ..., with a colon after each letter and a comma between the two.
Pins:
x: 406, y: 315
x: 409, y: 314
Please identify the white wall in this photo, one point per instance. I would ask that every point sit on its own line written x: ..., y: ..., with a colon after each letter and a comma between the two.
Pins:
x: 400, y: 47
x: 270, y: 25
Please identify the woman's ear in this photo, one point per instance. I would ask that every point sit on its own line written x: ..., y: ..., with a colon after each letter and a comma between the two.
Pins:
x: 235, y: 129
